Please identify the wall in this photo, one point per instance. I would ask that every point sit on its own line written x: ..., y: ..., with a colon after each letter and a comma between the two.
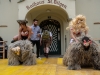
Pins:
x: 91, y: 9
x: 8, y: 16
x: 12, y: 11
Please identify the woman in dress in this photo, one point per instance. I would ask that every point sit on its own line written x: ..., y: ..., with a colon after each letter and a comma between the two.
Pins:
x: 78, y: 27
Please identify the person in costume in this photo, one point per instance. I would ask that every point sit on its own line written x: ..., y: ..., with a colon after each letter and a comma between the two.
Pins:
x: 78, y: 27
x: 24, y: 31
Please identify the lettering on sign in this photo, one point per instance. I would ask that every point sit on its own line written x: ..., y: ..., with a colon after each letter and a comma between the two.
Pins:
x: 57, y: 2
x: 34, y: 4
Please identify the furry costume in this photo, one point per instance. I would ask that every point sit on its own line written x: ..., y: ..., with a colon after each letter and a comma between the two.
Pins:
x: 76, y: 55
x: 20, y: 52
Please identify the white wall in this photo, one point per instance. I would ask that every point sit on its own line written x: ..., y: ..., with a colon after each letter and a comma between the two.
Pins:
x: 11, y: 11
x: 8, y: 16
x: 91, y: 9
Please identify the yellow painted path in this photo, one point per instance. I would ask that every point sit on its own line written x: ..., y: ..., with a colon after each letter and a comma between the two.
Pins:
x: 50, y: 66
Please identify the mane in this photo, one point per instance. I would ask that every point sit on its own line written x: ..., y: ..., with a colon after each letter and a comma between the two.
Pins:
x: 78, y: 24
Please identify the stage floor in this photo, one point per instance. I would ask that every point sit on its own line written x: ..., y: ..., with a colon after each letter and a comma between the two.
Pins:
x: 50, y: 66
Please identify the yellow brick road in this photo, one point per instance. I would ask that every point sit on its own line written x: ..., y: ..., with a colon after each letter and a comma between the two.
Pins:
x: 50, y: 66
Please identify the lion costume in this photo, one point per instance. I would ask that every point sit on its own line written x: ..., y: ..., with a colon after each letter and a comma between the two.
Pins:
x: 20, y: 52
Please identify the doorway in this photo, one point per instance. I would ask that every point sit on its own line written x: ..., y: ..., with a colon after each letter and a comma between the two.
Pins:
x: 54, y: 28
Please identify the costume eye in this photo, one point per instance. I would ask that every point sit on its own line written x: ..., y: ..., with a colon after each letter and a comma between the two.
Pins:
x: 84, y: 41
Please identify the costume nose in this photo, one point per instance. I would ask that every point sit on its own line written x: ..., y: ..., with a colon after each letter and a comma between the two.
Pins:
x: 86, y: 44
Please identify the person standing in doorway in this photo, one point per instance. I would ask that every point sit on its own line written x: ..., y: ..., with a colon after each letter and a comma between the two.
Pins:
x: 35, y: 38
x: 45, y: 41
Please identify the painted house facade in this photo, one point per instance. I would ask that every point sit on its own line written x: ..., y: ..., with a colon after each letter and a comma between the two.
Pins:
x: 53, y: 14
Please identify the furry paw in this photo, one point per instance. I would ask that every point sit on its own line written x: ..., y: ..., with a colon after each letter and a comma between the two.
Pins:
x: 74, y: 67
x: 96, y: 67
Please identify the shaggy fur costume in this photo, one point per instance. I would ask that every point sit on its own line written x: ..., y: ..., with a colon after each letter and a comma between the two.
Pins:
x: 77, y: 56
x: 20, y: 52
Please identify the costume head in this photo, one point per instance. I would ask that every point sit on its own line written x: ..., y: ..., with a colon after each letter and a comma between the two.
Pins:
x: 78, y: 24
x: 86, y: 41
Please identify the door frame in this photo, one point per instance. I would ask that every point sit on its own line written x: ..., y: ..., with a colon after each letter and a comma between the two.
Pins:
x: 55, y: 23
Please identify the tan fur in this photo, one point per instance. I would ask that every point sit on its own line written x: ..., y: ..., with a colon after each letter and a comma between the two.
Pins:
x: 16, y: 50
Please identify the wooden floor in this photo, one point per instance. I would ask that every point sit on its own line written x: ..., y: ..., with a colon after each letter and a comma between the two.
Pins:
x: 50, y: 66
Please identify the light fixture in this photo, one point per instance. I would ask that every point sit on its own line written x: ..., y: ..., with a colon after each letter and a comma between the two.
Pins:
x: 48, y: 10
